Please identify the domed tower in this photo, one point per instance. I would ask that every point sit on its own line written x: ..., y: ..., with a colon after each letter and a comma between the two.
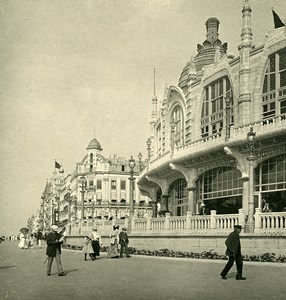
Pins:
x: 93, y: 149
x: 206, y: 51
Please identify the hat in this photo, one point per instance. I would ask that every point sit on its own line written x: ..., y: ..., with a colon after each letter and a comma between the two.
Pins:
x: 94, y: 228
x: 237, y: 226
x: 123, y: 228
x: 203, y: 204
x: 54, y: 227
x: 115, y: 227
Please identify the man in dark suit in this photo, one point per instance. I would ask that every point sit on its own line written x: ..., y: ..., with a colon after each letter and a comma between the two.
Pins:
x: 233, y: 251
x: 54, y: 241
x: 123, y: 241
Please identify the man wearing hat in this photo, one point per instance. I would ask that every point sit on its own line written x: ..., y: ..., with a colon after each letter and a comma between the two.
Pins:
x: 123, y: 241
x: 233, y: 251
x: 54, y: 241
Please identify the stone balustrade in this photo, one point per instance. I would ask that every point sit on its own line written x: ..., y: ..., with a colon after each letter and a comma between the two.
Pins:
x: 213, y: 224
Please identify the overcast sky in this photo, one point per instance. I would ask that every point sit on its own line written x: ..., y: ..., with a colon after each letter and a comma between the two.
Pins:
x: 72, y: 69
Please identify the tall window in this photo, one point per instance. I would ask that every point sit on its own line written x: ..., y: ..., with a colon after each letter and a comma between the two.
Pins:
x: 113, y: 184
x: 158, y: 140
x: 122, y: 184
x: 179, y: 197
x: 99, y: 184
x: 274, y: 86
x: 177, y: 117
x: 212, y: 115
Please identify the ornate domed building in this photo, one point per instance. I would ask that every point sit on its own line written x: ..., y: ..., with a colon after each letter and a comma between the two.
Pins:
x: 218, y: 140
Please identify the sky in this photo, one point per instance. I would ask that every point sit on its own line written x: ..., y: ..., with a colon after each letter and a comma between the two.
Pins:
x: 72, y: 70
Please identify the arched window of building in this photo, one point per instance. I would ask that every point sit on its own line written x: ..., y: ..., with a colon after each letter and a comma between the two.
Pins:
x: 212, y: 115
x: 270, y: 182
x: 178, y: 200
x: 178, y: 119
x: 158, y: 139
x: 274, y: 86
x: 220, y: 189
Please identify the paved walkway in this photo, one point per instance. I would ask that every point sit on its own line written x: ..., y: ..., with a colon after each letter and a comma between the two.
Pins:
x: 23, y: 276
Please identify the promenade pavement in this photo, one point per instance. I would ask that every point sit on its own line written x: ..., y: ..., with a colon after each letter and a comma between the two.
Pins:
x: 23, y: 276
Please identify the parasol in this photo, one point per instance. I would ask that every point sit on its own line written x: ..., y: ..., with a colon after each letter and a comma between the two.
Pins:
x: 24, y: 230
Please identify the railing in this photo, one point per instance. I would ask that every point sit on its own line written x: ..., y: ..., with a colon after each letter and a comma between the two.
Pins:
x: 270, y: 222
x: 213, y: 224
x: 262, y: 127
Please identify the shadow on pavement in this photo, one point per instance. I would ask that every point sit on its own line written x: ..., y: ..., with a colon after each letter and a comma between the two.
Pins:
x: 7, y: 267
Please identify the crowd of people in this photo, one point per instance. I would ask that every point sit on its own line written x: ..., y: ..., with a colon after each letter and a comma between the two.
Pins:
x: 27, y: 241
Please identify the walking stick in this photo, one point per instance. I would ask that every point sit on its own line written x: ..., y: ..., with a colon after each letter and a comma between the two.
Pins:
x: 46, y: 260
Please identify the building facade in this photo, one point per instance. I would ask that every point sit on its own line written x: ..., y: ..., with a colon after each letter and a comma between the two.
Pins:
x: 99, y: 189
x: 218, y: 140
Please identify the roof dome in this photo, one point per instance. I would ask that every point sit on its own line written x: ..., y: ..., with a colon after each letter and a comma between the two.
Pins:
x: 94, y: 144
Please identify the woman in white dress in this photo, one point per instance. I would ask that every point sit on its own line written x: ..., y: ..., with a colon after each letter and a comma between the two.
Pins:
x: 23, y: 241
x: 113, y: 249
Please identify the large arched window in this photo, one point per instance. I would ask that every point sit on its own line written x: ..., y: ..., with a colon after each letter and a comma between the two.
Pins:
x: 178, y: 119
x: 221, y: 189
x: 212, y: 116
x: 179, y: 200
x: 274, y: 86
x: 270, y: 182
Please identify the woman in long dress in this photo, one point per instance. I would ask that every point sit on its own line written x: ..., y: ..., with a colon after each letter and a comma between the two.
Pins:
x: 113, y: 249
x: 23, y: 241
x: 87, y: 247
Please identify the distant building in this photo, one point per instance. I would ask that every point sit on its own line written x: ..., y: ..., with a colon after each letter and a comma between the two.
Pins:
x: 99, y: 188
x: 219, y: 137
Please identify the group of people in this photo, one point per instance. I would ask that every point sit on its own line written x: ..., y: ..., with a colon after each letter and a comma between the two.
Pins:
x: 92, y: 243
x: 28, y: 240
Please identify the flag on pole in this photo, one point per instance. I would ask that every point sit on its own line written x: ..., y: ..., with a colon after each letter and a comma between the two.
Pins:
x: 277, y: 21
x: 57, y: 165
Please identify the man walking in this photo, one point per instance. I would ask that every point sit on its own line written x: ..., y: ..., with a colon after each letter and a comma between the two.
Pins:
x: 233, y: 251
x: 54, y: 241
x: 123, y: 241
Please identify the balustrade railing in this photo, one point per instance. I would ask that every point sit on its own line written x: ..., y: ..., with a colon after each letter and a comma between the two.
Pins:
x: 269, y: 223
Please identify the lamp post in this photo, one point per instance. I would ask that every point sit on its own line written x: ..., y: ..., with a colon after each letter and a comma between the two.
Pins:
x: 228, y: 100
x: 69, y: 204
x: 250, y: 220
x: 43, y: 210
x: 149, y: 148
x: 131, y: 178
x: 82, y: 182
x: 140, y: 161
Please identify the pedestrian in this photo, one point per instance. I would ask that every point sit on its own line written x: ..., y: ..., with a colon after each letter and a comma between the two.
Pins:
x: 123, y: 240
x: 233, y: 251
x: 96, y: 243
x: 114, y: 242
x: 54, y: 241
x: 23, y: 244
x: 87, y: 247
x: 39, y: 238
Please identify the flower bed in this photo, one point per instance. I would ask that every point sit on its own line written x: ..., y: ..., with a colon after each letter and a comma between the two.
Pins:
x: 211, y: 254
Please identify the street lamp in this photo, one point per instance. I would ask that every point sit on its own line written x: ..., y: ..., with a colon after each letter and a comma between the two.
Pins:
x: 228, y: 101
x: 69, y: 204
x: 140, y: 161
x: 82, y: 182
x: 131, y: 178
x: 43, y: 197
x: 149, y: 148
x: 250, y: 220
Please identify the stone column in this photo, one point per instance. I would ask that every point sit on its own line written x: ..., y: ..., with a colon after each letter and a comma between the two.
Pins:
x: 250, y: 220
x: 154, y: 209
x: 191, y: 199
x: 165, y: 202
